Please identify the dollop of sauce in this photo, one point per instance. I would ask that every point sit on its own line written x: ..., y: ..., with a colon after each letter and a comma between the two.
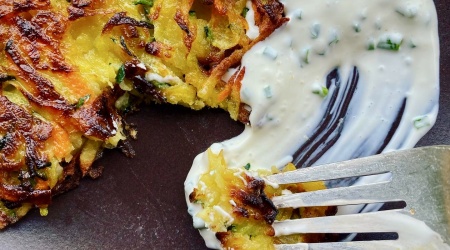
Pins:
x: 342, y: 79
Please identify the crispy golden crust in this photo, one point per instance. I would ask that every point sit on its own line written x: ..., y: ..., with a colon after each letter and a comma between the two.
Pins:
x: 21, y: 130
x: 98, y: 119
x: 40, y: 90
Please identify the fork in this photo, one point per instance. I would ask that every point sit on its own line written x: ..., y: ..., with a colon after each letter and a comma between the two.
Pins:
x: 420, y: 177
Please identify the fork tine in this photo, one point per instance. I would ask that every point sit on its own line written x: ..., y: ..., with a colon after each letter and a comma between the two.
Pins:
x: 351, y: 223
x: 390, y: 221
x: 359, y: 245
x: 331, y: 171
x: 372, y: 165
x: 363, y: 194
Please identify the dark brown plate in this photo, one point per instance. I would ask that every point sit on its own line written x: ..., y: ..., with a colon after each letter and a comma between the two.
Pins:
x: 139, y: 203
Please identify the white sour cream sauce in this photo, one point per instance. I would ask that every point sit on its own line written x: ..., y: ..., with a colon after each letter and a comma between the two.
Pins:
x: 283, y: 71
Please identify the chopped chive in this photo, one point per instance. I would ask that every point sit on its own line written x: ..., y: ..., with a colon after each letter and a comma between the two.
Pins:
x: 306, y: 56
x: 32, y: 182
x: 11, y: 213
x: 298, y: 14
x: 208, y: 33
x: 245, y: 11
x: 160, y: 85
x: 148, y: 3
x: 82, y: 100
x: 232, y: 228
x: 421, y: 121
x: 120, y: 74
x: 389, y: 45
x: 247, y: 166
x: 322, y: 91
x: 371, y: 44
x: 42, y: 175
x: 409, y: 12
x: 322, y: 51
x: 334, y: 40
x: 198, y: 202
x: 268, y: 92
x: 270, y: 52
x: 356, y: 27
x: 315, y: 31
x: 378, y: 24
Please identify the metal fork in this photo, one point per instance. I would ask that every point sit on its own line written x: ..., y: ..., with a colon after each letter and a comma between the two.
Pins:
x: 420, y: 177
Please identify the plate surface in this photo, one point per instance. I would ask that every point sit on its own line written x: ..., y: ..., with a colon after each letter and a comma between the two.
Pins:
x: 139, y: 203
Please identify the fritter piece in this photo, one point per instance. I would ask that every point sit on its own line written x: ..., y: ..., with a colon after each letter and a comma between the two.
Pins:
x: 70, y: 69
x: 236, y: 206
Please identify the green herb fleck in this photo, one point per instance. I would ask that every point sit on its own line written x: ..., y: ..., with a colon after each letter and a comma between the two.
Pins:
x: 322, y: 91
x: 407, y: 12
x: 82, y: 100
x: 123, y: 103
x: 11, y: 213
x: 244, y: 12
x: 389, y: 45
x: 335, y: 40
x: 33, y: 182
x: 299, y: 14
x: 208, y: 33
x: 198, y: 202
x: 357, y: 27
x: 148, y: 3
x: 247, y: 166
x: 270, y: 52
x: 232, y: 228
x: 306, y: 56
x: 192, y: 13
x: 268, y: 92
x: 421, y: 121
x: 42, y: 175
x: 120, y: 74
x: 371, y: 44
x: 124, y: 46
x: 160, y: 85
x: 315, y: 31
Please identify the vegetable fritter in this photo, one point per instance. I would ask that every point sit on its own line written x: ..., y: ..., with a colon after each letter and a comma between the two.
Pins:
x: 71, y: 70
